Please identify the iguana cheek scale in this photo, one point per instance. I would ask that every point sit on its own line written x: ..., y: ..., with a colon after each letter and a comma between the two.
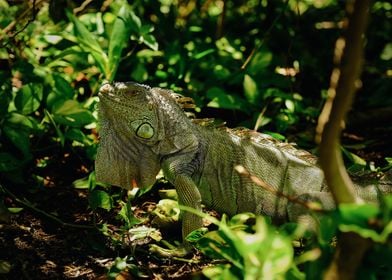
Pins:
x: 143, y: 130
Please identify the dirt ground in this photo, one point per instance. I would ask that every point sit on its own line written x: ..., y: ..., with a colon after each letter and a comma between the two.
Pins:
x: 37, y: 247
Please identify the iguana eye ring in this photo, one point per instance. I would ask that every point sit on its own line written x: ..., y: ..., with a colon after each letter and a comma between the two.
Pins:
x: 143, y: 129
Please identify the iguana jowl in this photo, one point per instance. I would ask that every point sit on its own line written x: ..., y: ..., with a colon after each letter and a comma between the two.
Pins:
x: 143, y: 130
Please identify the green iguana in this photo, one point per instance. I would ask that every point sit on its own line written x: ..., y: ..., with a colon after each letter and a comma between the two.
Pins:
x: 144, y: 129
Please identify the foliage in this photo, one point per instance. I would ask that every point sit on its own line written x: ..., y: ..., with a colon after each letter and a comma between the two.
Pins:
x: 261, y: 64
x: 254, y: 249
x: 260, y: 254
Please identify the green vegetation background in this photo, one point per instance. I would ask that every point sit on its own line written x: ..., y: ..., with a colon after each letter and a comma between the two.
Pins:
x: 261, y: 64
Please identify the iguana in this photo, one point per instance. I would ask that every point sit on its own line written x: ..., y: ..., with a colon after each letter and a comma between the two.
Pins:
x: 144, y: 129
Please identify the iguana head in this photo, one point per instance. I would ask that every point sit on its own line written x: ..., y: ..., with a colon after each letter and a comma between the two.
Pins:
x: 129, y: 129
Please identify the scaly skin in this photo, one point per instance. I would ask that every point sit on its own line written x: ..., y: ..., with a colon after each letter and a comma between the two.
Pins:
x: 144, y: 130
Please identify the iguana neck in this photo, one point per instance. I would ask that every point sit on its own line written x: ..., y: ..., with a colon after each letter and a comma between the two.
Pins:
x: 177, y: 132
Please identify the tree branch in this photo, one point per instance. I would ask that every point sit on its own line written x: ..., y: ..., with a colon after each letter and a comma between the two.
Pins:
x: 344, y: 83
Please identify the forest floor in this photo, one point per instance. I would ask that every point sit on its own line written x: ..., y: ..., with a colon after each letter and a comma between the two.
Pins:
x: 37, y: 247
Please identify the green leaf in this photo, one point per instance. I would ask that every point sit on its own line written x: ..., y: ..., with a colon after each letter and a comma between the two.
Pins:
x: 20, y: 138
x: 15, y: 210
x: 355, y: 218
x: 28, y: 98
x: 82, y: 183
x: 90, y: 43
x: 119, y: 39
x: 357, y: 214
x: 150, y: 41
x: 67, y: 107
x: 100, y: 199
x: 196, y: 235
x: 219, y: 272
x: 389, y: 161
x: 290, y: 105
x: 250, y: 89
x: 126, y: 214
x: 220, y: 99
x: 62, y: 90
x: 5, y: 99
x: 260, y: 61
x: 20, y: 121
x: 135, y: 22
x: 387, y: 52
x: 75, y: 134
x: 62, y: 86
x: 203, y: 54
x: 357, y: 163
x: 71, y: 113
x: 8, y: 162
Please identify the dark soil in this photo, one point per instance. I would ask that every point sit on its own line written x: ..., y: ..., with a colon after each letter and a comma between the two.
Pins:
x: 38, y: 247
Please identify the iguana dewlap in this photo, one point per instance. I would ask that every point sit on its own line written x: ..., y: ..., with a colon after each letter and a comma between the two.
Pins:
x: 143, y: 130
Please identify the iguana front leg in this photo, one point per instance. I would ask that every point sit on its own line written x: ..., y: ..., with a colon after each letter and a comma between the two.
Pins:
x: 188, y: 195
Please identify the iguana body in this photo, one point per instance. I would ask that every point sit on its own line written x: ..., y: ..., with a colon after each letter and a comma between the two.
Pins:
x: 144, y: 130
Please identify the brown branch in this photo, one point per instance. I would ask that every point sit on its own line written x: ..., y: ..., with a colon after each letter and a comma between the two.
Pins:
x: 307, y: 204
x: 82, y: 7
x: 12, y: 24
x: 221, y: 21
x: 343, y: 85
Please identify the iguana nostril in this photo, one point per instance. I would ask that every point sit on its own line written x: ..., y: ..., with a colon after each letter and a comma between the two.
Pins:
x: 105, y: 88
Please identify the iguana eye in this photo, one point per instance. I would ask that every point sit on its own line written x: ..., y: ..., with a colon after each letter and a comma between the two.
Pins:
x: 143, y: 129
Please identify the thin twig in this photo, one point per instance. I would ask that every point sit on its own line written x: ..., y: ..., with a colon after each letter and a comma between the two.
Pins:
x: 29, y: 205
x: 82, y: 7
x: 307, y: 204
x: 12, y: 25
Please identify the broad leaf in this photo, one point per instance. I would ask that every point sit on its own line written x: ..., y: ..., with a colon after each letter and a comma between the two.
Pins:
x: 150, y: 41
x: 100, y: 199
x: 90, y: 44
x: 76, y: 134
x: 20, y: 121
x: 71, y: 113
x: 8, y: 162
x: 250, y: 89
x: 260, y: 61
x: 221, y: 99
x: 20, y: 138
x: 119, y: 39
x: 28, y: 98
x: 126, y: 214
